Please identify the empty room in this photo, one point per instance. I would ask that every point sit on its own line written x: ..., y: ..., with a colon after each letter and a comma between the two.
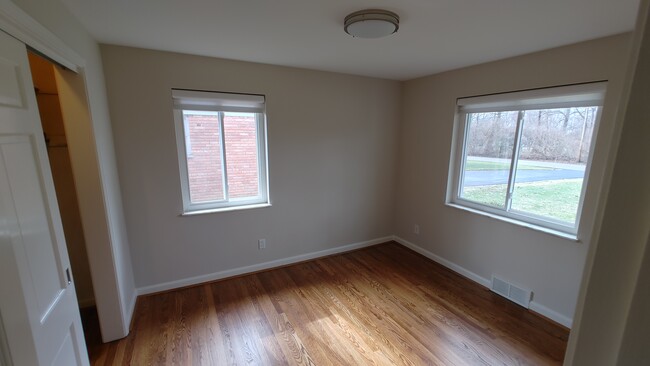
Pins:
x: 288, y: 182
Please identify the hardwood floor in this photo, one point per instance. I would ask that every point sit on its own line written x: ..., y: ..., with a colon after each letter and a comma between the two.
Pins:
x: 384, y: 305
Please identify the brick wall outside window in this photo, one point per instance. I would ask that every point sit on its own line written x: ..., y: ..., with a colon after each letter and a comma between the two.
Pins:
x: 241, y: 155
x: 204, y: 156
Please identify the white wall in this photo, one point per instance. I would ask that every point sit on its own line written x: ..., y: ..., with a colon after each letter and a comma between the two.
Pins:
x: 551, y: 266
x: 93, y: 163
x: 332, y: 149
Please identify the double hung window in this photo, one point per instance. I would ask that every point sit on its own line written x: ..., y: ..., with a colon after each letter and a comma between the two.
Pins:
x: 525, y: 155
x: 221, y: 142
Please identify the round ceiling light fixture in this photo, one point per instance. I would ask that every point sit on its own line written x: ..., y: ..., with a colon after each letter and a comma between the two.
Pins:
x: 371, y: 23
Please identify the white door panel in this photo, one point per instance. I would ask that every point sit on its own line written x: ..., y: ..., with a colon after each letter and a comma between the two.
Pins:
x: 63, y: 357
x: 10, y: 91
x: 38, y: 304
x: 19, y: 167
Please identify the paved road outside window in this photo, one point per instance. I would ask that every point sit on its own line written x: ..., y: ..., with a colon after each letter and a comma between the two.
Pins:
x: 551, y: 171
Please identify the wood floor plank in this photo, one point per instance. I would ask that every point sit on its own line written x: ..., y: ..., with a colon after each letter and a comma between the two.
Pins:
x: 383, y: 305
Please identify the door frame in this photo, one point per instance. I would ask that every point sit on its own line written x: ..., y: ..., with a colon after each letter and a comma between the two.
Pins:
x: 20, y: 25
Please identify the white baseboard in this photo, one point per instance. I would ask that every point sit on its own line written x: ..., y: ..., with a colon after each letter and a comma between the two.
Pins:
x: 257, y: 267
x: 551, y: 314
x: 453, y: 266
x: 536, y: 307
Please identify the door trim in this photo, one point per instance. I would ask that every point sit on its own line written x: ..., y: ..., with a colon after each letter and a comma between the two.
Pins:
x: 18, y: 24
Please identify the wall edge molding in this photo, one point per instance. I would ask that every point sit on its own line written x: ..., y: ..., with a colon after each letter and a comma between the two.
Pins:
x: 451, y: 265
x: 534, y: 306
x: 196, y: 280
x: 551, y: 314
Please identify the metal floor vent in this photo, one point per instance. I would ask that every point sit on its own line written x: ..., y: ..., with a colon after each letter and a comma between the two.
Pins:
x: 511, y: 292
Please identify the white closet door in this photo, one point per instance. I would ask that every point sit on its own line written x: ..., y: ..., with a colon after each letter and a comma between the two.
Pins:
x: 38, y: 303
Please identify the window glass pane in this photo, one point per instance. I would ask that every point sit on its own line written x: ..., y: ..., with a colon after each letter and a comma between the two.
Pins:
x: 203, y: 152
x: 241, y: 154
x: 488, y: 153
x: 553, y: 153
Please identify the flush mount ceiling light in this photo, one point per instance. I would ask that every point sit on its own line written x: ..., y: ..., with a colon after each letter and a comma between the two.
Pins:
x: 371, y: 23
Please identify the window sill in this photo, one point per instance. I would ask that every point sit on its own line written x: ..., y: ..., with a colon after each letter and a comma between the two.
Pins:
x: 225, y: 209
x: 557, y: 233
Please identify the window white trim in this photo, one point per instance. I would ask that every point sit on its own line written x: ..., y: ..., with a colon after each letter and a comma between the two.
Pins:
x: 579, y: 95
x: 225, y: 209
x: 217, y: 103
x: 560, y: 234
x: 591, y: 94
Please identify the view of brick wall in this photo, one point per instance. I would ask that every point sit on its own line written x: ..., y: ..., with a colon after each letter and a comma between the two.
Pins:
x: 204, y: 156
x: 204, y: 166
x: 241, y: 154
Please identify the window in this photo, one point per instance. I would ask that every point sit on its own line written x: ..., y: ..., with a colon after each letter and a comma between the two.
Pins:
x: 221, y: 142
x: 525, y: 156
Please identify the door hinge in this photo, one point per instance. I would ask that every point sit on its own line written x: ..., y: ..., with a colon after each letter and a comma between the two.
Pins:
x: 67, y: 273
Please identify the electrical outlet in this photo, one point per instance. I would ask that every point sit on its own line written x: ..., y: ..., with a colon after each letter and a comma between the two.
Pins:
x: 261, y: 244
x: 416, y: 229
